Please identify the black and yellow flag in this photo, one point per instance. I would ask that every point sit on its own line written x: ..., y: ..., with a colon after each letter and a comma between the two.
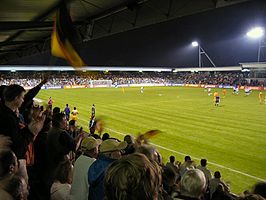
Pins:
x: 64, y: 37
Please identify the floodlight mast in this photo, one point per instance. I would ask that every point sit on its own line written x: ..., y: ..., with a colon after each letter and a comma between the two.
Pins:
x: 200, y: 52
x: 258, y: 33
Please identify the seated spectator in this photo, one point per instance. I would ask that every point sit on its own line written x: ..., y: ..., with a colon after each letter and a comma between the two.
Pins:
x: 183, y: 165
x: 220, y: 194
x: 105, y: 136
x: 169, y: 180
x: 56, y: 110
x: 110, y: 150
x: 60, y: 189
x: 80, y: 185
x: 131, y: 147
x: 214, y: 182
x: 148, y: 151
x: 132, y: 177
x: 192, y: 185
x: 260, y: 189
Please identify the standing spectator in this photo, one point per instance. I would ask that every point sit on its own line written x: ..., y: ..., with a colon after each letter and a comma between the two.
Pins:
x: 205, y: 170
x: 59, y: 144
x: 80, y: 185
x: 110, y: 150
x: 21, y: 138
x: 60, y: 189
x: 171, y: 165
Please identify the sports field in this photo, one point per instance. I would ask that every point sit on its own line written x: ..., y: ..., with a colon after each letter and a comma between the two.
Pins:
x: 232, y: 136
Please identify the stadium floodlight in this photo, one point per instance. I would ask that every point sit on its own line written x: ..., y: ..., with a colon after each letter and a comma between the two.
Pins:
x: 202, y: 51
x: 195, y: 44
x: 256, y: 32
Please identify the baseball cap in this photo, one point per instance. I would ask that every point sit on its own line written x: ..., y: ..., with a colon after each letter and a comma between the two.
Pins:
x: 110, y: 145
x: 90, y: 143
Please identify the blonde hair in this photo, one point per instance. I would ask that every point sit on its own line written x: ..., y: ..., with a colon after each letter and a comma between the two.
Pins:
x: 132, y: 177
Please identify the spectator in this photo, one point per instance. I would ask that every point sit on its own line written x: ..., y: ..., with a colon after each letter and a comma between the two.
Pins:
x: 130, y: 144
x: 17, y: 188
x: 60, y: 189
x: 55, y: 110
x: 260, y: 189
x: 205, y: 170
x: 171, y: 165
x: 105, y: 136
x: 110, y: 150
x: 192, y: 185
x: 80, y: 185
x: 214, y: 182
x: 21, y: 138
x: 132, y: 177
x: 59, y: 143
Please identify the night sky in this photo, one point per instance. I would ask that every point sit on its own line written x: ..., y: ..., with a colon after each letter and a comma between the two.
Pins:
x: 221, y: 32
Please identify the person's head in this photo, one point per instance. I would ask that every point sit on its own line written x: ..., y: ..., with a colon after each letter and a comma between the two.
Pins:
x: 132, y: 177
x: 203, y: 162
x: 148, y: 151
x: 172, y: 159
x: 112, y: 148
x: 56, y: 110
x: 129, y: 139
x: 90, y: 146
x: 217, y: 174
x: 17, y: 188
x: 193, y: 183
x: 14, y: 94
x: 187, y: 158
x: 66, y: 105
x: 72, y: 123
x: 105, y: 136
x: 59, y: 120
x: 64, y: 172
x: 8, y: 163
x: 260, y: 188
x: 75, y: 108
x: 47, y: 124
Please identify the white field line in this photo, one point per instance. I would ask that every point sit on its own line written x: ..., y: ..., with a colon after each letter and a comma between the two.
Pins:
x: 183, y: 154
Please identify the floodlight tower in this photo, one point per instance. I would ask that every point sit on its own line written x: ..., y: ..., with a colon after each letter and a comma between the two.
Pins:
x: 202, y: 52
x: 258, y: 33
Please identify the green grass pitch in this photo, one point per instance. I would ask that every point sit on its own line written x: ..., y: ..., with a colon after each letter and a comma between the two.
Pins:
x: 232, y: 136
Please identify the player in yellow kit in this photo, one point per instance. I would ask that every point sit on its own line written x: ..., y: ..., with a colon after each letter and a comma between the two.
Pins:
x: 216, y: 98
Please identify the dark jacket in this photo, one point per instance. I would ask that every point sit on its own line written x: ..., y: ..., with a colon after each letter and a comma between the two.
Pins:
x: 9, y: 126
x: 96, y: 175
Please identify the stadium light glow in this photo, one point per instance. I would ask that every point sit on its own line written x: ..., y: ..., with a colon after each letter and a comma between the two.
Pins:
x: 256, y: 32
x: 195, y: 44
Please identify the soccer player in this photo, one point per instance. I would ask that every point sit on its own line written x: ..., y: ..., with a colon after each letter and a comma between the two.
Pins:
x: 209, y: 91
x: 93, y: 110
x: 216, y: 98
x: 142, y: 89
x: 224, y: 92
x: 74, y: 113
x: 247, y: 91
x: 67, y: 112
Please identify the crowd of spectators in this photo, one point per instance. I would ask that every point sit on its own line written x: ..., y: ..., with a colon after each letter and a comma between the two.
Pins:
x: 120, y: 78
x: 44, y: 156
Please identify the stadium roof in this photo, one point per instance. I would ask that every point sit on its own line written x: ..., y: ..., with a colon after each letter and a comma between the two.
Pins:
x: 25, y: 25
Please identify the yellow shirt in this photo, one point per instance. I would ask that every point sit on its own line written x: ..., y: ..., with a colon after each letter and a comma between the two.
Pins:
x: 215, y: 94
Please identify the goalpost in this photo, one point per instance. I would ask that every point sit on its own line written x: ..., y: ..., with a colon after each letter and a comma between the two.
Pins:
x: 100, y: 83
